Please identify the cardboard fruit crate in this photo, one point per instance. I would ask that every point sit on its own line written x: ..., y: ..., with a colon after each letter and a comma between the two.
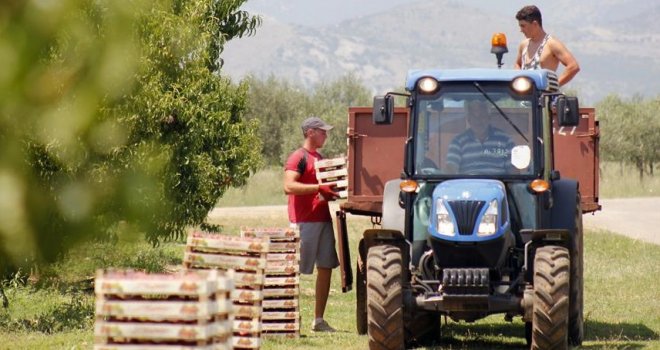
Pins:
x: 273, y: 281
x: 286, y: 329
x: 184, y: 284
x: 330, y: 163
x: 127, y: 332
x: 211, y: 242
x: 274, y: 234
x: 247, y: 279
x: 292, y: 246
x: 160, y: 346
x: 247, y: 326
x: 280, y: 315
x: 222, y: 261
x: 295, y: 257
x: 247, y: 311
x: 282, y: 326
x: 281, y: 304
x: 328, y: 177
x: 246, y: 342
x: 278, y: 292
x: 284, y: 267
x: 183, y: 310
x: 164, y: 310
x: 333, y: 172
x: 247, y: 296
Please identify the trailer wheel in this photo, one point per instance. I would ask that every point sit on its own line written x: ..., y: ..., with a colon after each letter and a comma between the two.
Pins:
x: 361, y: 292
x: 575, y: 318
x: 551, y: 298
x: 385, y: 298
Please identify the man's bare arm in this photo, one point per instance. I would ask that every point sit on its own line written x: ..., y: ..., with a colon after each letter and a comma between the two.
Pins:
x: 571, y: 66
x: 518, y: 63
x: 293, y: 186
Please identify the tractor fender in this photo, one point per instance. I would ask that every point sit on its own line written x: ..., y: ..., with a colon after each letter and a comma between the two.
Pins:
x: 393, y: 215
x: 562, y: 214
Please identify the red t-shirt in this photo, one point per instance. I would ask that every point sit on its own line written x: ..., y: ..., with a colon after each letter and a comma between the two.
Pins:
x: 306, y: 207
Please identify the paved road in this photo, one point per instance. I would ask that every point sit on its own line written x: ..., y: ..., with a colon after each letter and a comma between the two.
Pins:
x: 637, y: 218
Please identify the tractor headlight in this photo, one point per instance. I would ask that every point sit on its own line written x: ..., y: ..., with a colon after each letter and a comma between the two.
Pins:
x: 427, y: 85
x: 488, y: 224
x: 522, y: 85
x: 444, y: 222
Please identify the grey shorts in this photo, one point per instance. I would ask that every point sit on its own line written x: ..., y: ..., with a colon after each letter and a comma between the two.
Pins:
x: 317, y: 246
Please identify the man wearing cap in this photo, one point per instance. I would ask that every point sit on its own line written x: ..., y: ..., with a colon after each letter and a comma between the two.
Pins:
x: 309, y: 211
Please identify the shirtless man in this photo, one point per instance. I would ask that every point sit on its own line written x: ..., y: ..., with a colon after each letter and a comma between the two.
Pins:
x: 540, y: 50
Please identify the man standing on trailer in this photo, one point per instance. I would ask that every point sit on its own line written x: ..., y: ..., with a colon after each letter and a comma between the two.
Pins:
x: 540, y: 50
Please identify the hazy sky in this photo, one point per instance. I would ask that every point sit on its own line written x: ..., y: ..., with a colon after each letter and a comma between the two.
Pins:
x: 327, y: 12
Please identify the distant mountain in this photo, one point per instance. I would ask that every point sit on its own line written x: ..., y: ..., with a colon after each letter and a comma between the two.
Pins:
x: 618, y: 48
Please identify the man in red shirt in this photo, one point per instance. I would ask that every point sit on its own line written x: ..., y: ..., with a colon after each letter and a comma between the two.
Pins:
x: 309, y: 211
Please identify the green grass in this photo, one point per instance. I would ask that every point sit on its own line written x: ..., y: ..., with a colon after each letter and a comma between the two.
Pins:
x: 622, y: 298
x: 265, y: 187
x: 618, y: 181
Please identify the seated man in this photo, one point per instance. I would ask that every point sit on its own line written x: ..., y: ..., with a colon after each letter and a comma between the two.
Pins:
x: 482, y: 148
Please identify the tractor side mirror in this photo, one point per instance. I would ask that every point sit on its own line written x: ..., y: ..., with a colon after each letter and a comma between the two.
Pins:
x: 568, y: 111
x: 383, y: 110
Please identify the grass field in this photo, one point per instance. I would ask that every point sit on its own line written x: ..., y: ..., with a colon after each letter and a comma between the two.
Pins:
x: 622, y: 290
x: 618, y: 181
x: 622, y: 298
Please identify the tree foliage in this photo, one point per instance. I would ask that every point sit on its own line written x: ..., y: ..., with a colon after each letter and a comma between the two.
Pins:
x: 629, y: 131
x: 280, y: 107
x: 113, y: 116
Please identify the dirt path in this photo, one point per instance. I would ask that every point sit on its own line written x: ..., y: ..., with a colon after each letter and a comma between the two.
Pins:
x: 637, y: 218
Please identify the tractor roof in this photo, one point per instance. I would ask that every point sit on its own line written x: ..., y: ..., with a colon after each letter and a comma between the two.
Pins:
x: 544, y: 79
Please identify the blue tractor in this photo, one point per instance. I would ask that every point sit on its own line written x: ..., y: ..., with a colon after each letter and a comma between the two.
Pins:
x: 480, y: 222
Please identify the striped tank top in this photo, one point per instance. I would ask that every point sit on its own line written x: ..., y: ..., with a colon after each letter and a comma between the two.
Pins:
x: 535, y: 62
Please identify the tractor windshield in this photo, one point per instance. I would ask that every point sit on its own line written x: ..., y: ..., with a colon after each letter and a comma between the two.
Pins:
x: 474, y: 130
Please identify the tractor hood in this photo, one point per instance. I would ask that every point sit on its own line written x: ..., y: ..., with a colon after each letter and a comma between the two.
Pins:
x: 469, y: 210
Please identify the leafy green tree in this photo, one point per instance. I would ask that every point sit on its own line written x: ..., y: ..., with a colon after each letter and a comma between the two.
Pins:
x: 280, y: 107
x: 629, y: 131
x: 276, y: 104
x: 113, y: 116
x: 332, y: 100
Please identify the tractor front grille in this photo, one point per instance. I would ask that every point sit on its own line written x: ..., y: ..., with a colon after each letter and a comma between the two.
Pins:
x: 466, y: 213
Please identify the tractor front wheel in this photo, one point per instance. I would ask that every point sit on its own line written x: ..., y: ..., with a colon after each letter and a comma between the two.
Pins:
x: 551, y: 298
x: 385, y: 298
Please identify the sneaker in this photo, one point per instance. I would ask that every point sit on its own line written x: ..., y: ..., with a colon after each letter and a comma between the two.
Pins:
x: 322, y: 326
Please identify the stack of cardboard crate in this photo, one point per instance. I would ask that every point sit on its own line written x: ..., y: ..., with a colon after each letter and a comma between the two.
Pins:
x: 333, y: 172
x: 187, y: 310
x: 281, y: 314
x: 247, y: 256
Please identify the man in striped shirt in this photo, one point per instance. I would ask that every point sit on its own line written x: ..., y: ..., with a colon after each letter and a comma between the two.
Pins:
x: 482, y: 148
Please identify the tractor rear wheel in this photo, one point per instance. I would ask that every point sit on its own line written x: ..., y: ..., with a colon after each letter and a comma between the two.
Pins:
x: 552, y: 268
x: 576, y: 308
x: 361, y: 292
x: 385, y: 298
